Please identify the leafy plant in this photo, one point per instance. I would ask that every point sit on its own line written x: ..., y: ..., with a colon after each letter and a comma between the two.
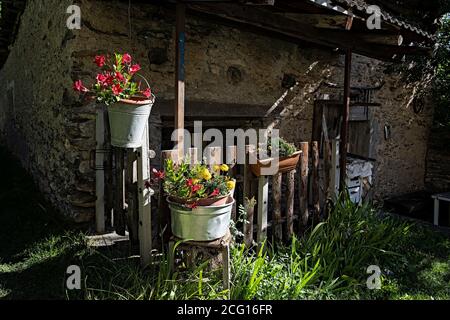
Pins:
x: 280, y: 147
x: 115, y: 81
x: 196, y: 182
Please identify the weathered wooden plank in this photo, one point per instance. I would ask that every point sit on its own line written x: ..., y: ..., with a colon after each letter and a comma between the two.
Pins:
x: 100, y: 170
x: 248, y: 194
x: 263, y: 201
x: 345, y: 120
x: 276, y: 196
x: 290, y: 203
x: 145, y: 194
x: 132, y: 197
x: 180, y: 74
x: 315, y: 180
x: 119, y: 192
x: 303, y: 186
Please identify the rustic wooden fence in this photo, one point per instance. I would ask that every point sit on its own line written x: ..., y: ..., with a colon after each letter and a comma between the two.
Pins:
x: 283, y: 201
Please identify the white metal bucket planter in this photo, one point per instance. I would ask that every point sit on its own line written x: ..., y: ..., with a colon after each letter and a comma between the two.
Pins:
x: 206, y: 223
x: 127, y: 120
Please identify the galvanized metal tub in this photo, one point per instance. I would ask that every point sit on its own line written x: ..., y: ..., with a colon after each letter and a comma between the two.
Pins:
x: 202, y: 223
x: 127, y: 120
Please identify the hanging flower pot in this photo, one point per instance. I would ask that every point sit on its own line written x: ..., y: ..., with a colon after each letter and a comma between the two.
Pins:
x: 127, y: 120
x: 129, y: 105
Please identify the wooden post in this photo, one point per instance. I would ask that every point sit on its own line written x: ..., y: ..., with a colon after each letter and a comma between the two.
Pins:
x: 335, y: 171
x: 315, y: 180
x: 263, y: 199
x: 180, y: 74
x: 193, y: 156
x: 100, y: 170
x: 145, y: 195
x: 326, y: 166
x: 213, y: 156
x: 290, y: 203
x: 248, y: 195
x: 132, y: 198
x: 345, y: 118
x: 276, y: 195
x: 303, y: 188
x: 119, y: 194
x: 164, y: 212
x: 109, y: 175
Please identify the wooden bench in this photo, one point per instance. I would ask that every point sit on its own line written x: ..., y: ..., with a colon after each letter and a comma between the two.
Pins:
x: 437, y: 198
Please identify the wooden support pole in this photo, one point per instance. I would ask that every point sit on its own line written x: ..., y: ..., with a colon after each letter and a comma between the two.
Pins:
x: 248, y: 194
x: 100, y: 170
x: 290, y: 203
x: 132, y: 198
x: 276, y: 196
x: 303, y: 188
x: 163, y: 207
x: 180, y: 74
x: 345, y: 118
x: 145, y: 196
x: 263, y: 202
x: 119, y: 194
x: 315, y: 181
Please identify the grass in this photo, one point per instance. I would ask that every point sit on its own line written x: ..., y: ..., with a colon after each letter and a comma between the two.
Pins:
x: 330, y: 262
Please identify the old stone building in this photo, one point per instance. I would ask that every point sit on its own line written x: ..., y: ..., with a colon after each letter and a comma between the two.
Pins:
x: 234, y: 75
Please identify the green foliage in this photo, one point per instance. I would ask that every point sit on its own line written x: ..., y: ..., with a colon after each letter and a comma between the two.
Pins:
x: 196, y: 182
x: 280, y: 146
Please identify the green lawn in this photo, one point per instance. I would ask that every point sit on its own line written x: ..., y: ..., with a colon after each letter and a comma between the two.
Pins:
x: 37, y: 246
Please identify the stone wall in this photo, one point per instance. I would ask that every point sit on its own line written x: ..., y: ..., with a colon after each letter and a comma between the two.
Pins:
x: 37, y: 120
x: 53, y: 133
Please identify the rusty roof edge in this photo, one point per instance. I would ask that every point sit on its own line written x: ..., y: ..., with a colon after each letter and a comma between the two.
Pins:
x: 351, y: 6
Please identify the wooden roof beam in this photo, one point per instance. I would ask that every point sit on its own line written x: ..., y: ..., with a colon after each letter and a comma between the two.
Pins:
x: 267, y: 20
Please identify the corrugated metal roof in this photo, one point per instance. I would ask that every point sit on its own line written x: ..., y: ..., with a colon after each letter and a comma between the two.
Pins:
x: 362, y: 6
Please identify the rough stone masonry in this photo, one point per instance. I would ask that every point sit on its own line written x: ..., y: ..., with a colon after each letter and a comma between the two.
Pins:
x: 52, y: 133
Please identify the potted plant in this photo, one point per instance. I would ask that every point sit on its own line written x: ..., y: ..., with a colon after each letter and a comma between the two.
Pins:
x: 288, y: 157
x: 200, y: 200
x: 129, y: 105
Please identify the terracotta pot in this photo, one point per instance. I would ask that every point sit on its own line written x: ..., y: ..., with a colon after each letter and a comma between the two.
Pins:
x: 285, y: 164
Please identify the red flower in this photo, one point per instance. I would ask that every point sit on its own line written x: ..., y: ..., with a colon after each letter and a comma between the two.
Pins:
x: 126, y: 58
x: 100, y: 61
x: 196, y: 188
x: 78, y: 86
x: 193, y: 205
x: 117, y: 89
x: 189, y: 182
x: 120, y: 77
x: 158, y: 174
x: 135, y: 68
x: 147, y: 92
x: 105, y: 79
x: 215, y: 193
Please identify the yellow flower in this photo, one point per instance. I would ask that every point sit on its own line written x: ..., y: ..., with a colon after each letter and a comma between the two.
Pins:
x: 195, y: 181
x: 224, y: 168
x: 216, y: 167
x: 205, y: 174
x: 231, y: 185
